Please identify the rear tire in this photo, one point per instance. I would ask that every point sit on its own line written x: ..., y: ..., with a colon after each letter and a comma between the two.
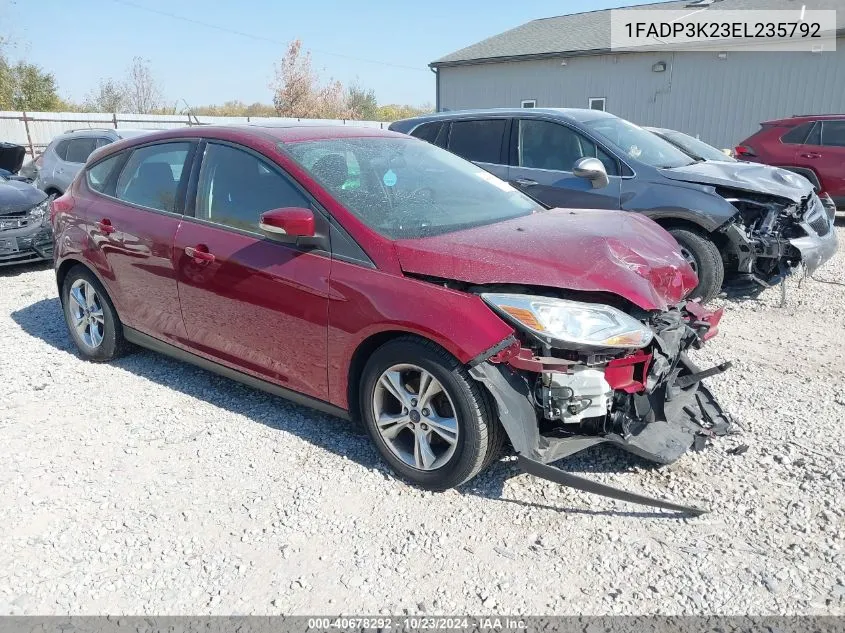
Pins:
x: 706, y: 260
x: 398, y: 414
x: 90, y: 316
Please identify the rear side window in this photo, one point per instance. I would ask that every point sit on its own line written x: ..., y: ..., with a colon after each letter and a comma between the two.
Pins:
x: 152, y: 175
x: 815, y: 137
x: 428, y: 131
x: 479, y: 141
x: 98, y: 175
x: 833, y: 133
x: 235, y: 187
x: 796, y: 135
x: 79, y: 149
x: 103, y: 141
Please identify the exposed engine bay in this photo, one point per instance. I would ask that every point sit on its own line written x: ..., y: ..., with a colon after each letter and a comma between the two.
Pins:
x: 767, y: 234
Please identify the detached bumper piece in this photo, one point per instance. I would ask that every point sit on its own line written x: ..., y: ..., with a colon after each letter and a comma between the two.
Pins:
x: 550, y: 473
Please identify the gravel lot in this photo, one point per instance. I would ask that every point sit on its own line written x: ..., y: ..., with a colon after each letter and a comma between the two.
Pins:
x: 149, y: 486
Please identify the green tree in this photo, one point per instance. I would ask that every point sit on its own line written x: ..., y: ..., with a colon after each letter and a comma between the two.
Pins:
x: 32, y: 88
x: 361, y: 103
x: 110, y: 96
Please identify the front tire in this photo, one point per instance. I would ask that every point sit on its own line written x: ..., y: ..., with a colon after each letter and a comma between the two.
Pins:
x: 431, y: 422
x: 90, y: 316
x: 706, y: 260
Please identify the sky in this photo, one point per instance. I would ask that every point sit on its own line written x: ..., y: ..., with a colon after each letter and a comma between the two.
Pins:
x: 379, y: 44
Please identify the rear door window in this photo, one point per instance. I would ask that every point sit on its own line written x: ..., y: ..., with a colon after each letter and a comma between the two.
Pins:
x: 79, y: 149
x: 152, y: 176
x: 833, y: 133
x: 478, y: 141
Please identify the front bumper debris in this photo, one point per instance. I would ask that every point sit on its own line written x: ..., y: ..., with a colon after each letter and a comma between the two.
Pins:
x: 24, y: 245
x: 655, y: 404
x: 801, y: 234
x: 816, y: 249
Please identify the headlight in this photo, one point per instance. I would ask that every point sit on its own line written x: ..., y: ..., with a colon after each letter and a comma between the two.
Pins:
x: 40, y: 210
x: 571, y: 323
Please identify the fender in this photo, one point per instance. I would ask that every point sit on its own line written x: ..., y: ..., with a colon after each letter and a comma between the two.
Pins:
x: 691, y: 202
x: 386, y: 302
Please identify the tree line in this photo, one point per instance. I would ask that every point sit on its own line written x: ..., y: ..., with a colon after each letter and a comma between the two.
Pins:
x: 298, y: 91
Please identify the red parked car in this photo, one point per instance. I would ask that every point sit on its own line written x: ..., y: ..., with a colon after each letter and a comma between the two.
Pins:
x: 811, y: 145
x: 370, y: 274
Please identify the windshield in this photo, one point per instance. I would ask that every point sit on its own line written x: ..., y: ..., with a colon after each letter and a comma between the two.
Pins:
x: 639, y: 144
x: 404, y: 188
x: 696, y: 148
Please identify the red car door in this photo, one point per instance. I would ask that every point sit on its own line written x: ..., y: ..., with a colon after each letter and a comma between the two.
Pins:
x: 824, y: 153
x: 249, y: 302
x: 134, y: 224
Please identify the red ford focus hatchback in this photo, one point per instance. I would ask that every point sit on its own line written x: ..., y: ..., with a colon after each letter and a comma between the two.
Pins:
x: 369, y: 274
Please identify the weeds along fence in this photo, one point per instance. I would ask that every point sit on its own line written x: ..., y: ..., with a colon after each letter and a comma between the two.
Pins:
x: 35, y: 130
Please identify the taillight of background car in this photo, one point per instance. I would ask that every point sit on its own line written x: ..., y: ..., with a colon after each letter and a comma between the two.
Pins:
x: 742, y: 151
x: 62, y: 204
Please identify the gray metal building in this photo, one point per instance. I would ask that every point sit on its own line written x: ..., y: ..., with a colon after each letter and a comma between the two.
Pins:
x: 721, y: 97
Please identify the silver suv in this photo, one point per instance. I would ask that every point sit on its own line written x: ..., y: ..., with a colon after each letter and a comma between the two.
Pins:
x: 66, y: 155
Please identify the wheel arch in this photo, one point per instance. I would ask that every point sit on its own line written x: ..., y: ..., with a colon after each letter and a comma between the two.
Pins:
x: 363, y: 352
x: 717, y: 237
x: 68, y: 264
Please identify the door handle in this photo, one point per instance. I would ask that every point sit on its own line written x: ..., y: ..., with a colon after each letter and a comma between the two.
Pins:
x: 526, y: 182
x: 105, y: 226
x: 199, y: 253
x: 811, y: 155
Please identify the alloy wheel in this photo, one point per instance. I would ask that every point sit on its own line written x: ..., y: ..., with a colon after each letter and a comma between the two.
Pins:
x: 86, y: 310
x: 415, y: 417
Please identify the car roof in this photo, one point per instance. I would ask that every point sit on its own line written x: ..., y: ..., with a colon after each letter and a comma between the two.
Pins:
x: 285, y: 133
x: 571, y: 114
x: 803, y: 118
x: 84, y: 132
x: 257, y: 133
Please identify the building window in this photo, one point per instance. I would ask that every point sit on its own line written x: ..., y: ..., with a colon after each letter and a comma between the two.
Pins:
x: 529, y: 103
x: 597, y: 103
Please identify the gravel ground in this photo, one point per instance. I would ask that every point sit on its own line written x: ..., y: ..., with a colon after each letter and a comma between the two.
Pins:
x: 149, y: 486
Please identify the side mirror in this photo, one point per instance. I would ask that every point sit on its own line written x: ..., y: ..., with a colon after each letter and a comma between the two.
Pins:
x: 593, y: 170
x: 287, y: 224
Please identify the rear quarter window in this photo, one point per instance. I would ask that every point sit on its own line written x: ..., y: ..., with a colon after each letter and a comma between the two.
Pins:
x: 61, y: 149
x: 98, y: 175
x: 428, y: 131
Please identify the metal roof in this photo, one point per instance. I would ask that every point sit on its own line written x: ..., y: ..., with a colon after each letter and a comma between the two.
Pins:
x: 581, y: 33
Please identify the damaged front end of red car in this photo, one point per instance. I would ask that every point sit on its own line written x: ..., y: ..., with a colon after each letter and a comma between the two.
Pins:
x: 556, y: 398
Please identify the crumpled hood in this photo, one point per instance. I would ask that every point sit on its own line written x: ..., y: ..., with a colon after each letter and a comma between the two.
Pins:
x: 18, y: 196
x: 745, y: 176
x: 577, y: 249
